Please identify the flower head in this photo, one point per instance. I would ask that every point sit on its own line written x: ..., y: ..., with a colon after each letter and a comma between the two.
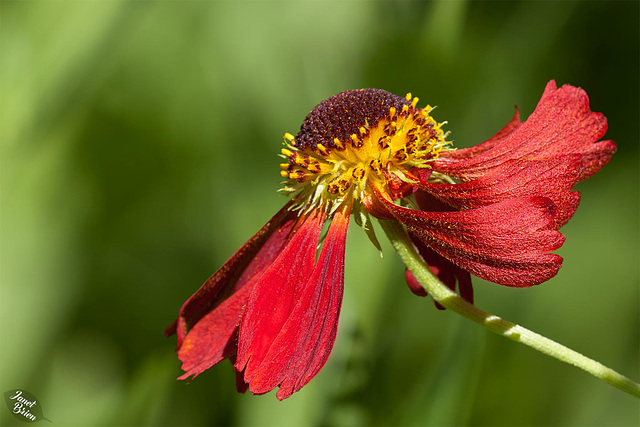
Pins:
x: 356, y: 141
x: 492, y: 210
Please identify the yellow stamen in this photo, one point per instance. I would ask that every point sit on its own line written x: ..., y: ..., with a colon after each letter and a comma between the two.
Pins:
x: 296, y: 174
x: 323, y: 149
x: 356, y: 142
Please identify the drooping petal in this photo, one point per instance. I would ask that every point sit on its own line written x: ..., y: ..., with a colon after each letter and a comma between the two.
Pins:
x: 205, y: 340
x: 561, y: 124
x: 506, y: 242
x: 553, y: 178
x: 306, y: 339
x: 250, y: 259
x: 465, y: 286
x: 275, y: 294
x: 213, y: 338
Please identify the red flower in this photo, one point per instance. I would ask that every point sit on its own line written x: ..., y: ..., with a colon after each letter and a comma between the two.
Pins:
x: 492, y: 210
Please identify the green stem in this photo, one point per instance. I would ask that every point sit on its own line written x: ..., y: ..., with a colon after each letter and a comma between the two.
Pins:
x: 445, y: 296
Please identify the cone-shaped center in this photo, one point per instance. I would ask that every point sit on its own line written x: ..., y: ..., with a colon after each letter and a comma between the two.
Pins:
x: 357, y: 139
x: 344, y: 114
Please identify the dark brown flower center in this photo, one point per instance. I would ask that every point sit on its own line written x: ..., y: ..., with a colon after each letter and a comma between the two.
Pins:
x: 344, y: 114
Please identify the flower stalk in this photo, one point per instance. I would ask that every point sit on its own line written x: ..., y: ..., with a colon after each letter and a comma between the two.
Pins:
x: 449, y: 299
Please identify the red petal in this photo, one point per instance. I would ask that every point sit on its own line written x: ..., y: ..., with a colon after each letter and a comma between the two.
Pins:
x: 275, y: 295
x: 595, y: 157
x: 464, y: 285
x: 561, y: 124
x: 506, y: 242
x: 414, y: 286
x: 213, y: 337
x: 517, y: 178
x: 306, y: 339
x: 250, y: 259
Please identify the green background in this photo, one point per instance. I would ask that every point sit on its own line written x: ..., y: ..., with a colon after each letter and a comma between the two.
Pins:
x: 139, y: 151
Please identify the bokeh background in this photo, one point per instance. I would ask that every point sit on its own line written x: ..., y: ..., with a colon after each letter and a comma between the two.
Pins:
x: 139, y: 151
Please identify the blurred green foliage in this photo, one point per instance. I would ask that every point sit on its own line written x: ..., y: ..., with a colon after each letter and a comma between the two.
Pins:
x: 139, y: 144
